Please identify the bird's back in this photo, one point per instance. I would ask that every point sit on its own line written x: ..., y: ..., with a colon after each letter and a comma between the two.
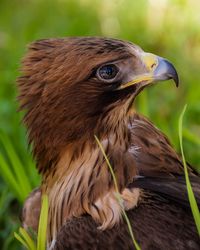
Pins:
x: 156, y: 224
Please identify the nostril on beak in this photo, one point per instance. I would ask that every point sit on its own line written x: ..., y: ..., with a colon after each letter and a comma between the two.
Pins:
x: 153, y: 65
x: 150, y: 61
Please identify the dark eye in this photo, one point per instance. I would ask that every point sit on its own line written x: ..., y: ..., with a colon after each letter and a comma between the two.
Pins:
x: 107, y: 72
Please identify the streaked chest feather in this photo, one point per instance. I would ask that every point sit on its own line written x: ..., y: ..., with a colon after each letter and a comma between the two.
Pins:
x: 84, y: 185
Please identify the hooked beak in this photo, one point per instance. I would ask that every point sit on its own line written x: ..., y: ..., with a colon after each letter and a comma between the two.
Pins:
x: 156, y: 69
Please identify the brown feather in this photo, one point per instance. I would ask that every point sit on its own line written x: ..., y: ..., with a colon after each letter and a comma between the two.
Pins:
x: 65, y: 105
x: 157, y: 224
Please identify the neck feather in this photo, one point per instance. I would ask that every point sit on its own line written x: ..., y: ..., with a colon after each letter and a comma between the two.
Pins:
x: 81, y: 180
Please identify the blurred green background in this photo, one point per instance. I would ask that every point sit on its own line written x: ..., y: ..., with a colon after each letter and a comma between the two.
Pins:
x: 168, y: 28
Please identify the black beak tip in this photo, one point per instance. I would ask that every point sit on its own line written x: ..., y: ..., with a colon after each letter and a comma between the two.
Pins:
x: 175, y: 78
x: 171, y: 72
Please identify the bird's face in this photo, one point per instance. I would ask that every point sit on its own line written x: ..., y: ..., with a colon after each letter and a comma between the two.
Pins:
x: 120, y: 80
x: 107, y: 76
x: 77, y: 87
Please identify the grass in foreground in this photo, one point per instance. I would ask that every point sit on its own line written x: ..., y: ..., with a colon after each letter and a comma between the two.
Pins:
x: 13, y: 171
x: 25, y: 238
x: 118, y: 196
x: 191, y: 197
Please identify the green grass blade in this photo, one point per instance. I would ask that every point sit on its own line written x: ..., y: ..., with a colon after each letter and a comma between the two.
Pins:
x: 108, y: 163
x: 17, y: 166
x: 192, y: 200
x: 118, y: 196
x: 130, y: 230
x: 21, y: 240
x: 7, y: 174
x: 26, y: 236
x: 42, y: 229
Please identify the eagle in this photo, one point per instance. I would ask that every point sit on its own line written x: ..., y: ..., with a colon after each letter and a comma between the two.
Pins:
x: 73, y: 89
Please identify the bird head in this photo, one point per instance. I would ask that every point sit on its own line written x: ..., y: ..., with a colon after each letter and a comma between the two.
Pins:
x: 73, y: 88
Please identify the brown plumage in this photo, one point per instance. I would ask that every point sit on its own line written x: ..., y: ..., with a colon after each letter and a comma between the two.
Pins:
x: 73, y: 89
x: 157, y: 224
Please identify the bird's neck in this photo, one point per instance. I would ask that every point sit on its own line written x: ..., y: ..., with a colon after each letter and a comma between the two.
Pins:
x: 81, y: 180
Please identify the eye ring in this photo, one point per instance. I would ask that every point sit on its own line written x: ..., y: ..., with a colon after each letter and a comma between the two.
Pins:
x: 107, y: 72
